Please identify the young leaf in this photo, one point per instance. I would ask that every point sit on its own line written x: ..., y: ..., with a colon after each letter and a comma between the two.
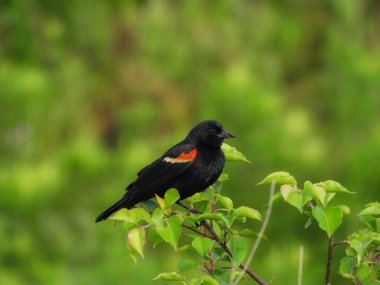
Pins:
x: 286, y: 189
x: 329, y: 197
x: 202, y: 245
x: 299, y: 199
x: 232, y: 154
x: 345, y: 209
x: 281, y: 177
x: 223, y: 177
x: 134, y: 215
x: 161, y: 202
x: 238, y: 249
x: 328, y: 218
x: 371, y: 209
x: 346, y: 268
x: 170, y: 276
x: 333, y: 186
x: 154, y: 237
x: 121, y: 215
x: 317, y: 191
x: 250, y: 234
x: 308, y: 223
x: 250, y: 213
x: 157, y: 217
x: 226, y: 202
x: 171, y: 196
x: 364, y: 272
x: 171, y: 231
x: 208, y: 280
x: 136, y: 239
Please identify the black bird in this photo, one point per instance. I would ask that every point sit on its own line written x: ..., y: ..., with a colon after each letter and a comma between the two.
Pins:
x: 190, y: 166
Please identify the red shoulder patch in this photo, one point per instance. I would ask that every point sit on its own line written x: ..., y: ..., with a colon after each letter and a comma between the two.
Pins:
x: 183, y: 157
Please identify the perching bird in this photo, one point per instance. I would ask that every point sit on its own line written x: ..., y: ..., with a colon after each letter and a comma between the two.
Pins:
x: 190, y: 167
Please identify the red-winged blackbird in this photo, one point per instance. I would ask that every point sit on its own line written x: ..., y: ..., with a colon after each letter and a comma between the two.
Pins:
x: 190, y: 166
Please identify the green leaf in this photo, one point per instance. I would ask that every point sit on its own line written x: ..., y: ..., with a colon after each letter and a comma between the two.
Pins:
x: 299, y: 199
x: 154, y: 237
x: 371, y: 209
x: 187, y: 248
x: 223, y: 177
x: 134, y: 215
x: 202, y: 245
x: 308, y: 223
x: 328, y: 218
x: 195, y: 281
x: 250, y: 234
x: 317, y: 191
x: 238, y: 249
x: 346, y: 268
x: 329, y: 197
x: 171, y: 232
x: 364, y: 272
x: 136, y: 239
x: 250, y: 213
x: 281, y: 177
x: 232, y: 154
x: 226, y: 202
x: 186, y: 264
x: 208, y: 280
x: 345, y: 209
x: 286, y: 189
x: 171, y: 196
x: 333, y: 186
x: 157, y: 217
x: 170, y: 276
x: 198, y: 197
x: 161, y: 202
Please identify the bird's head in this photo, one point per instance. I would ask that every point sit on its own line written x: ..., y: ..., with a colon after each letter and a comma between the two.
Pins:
x: 209, y: 133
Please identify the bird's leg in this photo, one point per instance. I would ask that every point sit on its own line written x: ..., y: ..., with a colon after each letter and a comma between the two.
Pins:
x: 190, y: 209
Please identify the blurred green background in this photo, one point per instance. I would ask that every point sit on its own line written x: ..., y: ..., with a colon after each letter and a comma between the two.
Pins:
x: 91, y: 91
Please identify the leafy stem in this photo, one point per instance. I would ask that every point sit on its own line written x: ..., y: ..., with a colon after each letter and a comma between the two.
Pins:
x: 224, y: 246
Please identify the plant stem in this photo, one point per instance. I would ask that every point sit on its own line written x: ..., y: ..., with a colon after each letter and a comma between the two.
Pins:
x: 197, y: 232
x: 223, y: 245
x: 329, y: 260
x: 341, y: 242
x: 261, y: 233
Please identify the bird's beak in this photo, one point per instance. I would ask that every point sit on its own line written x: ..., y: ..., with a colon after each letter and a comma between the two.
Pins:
x: 226, y: 135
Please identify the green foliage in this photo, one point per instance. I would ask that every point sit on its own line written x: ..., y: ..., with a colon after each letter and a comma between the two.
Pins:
x: 362, y: 261
x: 210, y: 231
x: 328, y: 218
x: 314, y: 196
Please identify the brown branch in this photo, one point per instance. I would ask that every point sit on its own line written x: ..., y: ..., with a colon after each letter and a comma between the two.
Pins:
x: 329, y: 260
x: 330, y: 250
x: 197, y: 232
x: 341, y: 242
x: 224, y: 246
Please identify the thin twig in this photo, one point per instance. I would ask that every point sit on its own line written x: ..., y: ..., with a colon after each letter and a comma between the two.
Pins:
x: 341, y: 242
x: 261, y: 233
x: 197, y: 232
x: 329, y: 260
x: 300, y: 265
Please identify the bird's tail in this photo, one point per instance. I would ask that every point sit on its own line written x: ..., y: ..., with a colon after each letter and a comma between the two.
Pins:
x: 115, y: 207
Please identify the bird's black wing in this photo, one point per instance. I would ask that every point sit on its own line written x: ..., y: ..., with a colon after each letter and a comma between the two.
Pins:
x: 161, y: 174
